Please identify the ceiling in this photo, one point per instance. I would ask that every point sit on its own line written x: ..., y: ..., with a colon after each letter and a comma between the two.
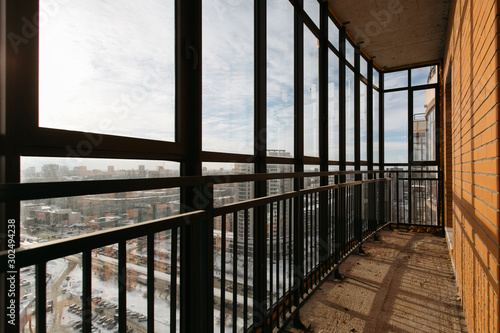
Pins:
x: 396, y: 32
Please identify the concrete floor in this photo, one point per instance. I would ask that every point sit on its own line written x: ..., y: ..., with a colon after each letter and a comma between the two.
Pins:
x: 404, y: 283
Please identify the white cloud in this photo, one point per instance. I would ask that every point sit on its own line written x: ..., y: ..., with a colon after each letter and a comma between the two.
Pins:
x: 228, y: 84
x: 108, y: 67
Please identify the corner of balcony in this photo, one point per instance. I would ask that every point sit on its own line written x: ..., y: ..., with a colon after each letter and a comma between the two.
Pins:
x: 403, y: 283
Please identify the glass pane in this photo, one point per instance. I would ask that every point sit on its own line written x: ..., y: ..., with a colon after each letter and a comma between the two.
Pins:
x: 350, y: 177
x: 363, y: 67
x: 349, y: 110
x: 375, y: 126
x: 64, y: 293
x: 311, y: 182
x: 228, y: 76
x: 105, y: 285
x: 280, y: 76
x: 363, y: 122
x: 136, y: 257
x: 332, y: 179
x: 376, y: 78
x: 424, y: 75
x: 27, y: 296
x: 396, y: 127
x: 228, y: 193
x: 58, y: 169
x: 349, y: 52
x: 333, y: 34
x: 109, y: 67
x: 57, y: 218
x: 279, y: 186
x: 333, y: 107
x: 167, y: 258
x: 231, y: 251
x: 424, y: 125
x: 311, y: 8
x: 278, y: 153
x: 279, y: 168
x: 396, y: 80
x: 311, y: 91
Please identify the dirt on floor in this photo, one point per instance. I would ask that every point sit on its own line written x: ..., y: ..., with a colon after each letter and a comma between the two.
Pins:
x: 404, y: 283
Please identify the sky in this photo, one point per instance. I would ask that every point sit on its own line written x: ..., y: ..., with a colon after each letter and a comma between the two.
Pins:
x: 107, y: 66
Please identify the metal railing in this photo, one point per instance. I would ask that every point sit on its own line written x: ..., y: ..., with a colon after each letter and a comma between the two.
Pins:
x: 253, y: 264
x: 417, y: 197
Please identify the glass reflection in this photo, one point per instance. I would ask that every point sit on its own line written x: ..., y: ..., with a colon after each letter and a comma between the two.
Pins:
x: 109, y: 67
x: 228, y: 76
x: 311, y: 94
x: 396, y: 127
x: 280, y: 90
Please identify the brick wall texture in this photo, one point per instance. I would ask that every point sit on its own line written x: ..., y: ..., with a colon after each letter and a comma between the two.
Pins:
x: 471, y: 93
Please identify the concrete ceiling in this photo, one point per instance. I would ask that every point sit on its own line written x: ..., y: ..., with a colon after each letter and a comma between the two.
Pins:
x: 396, y: 32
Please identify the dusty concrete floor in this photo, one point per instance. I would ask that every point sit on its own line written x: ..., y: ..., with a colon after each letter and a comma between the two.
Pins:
x: 404, y: 283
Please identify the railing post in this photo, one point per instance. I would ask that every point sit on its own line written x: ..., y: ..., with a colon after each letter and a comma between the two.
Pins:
x: 372, y: 206
x: 197, y: 264
x: 397, y: 200
x: 410, y: 197
x: 341, y: 220
x: 382, y: 203
x: 441, y: 208
x: 323, y: 134
x: 196, y: 273
x: 358, y: 215
x: 298, y: 253
x: 338, y: 220
x: 260, y: 268
x: 323, y: 231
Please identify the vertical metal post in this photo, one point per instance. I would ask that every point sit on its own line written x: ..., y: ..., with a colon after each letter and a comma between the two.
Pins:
x: 196, y: 311
x: 342, y: 104
x: 260, y: 152
x: 410, y: 196
x: 381, y: 143
x: 173, y: 277
x: 357, y: 112
x: 323, y: 135
x: 87, y: 290
x: 41, y: 297
x: 410, y: 148
x: 298, y: 236
x: 122, y: 286
x: 151, y: 281
x: 18, y: 106
x: 397, y: 199
x: 369, y: 120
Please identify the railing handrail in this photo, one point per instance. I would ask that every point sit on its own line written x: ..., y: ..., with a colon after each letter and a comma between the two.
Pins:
x: 305, y: 219
x: 26, y: 256
x: 64, y: 247
x: 58, y: 189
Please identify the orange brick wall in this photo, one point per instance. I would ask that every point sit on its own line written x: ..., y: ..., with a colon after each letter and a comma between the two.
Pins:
x: 471, y: 67
x: 446, y: 161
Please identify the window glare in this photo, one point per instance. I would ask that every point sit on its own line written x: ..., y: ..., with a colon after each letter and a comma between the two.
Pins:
x: 108, y: 67
x: 311, y: 94
x: 280, y: 89
x: 396, y: 80
x: 227, y: 76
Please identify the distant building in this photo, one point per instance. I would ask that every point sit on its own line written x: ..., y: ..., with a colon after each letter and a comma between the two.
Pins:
x: 245, y: 191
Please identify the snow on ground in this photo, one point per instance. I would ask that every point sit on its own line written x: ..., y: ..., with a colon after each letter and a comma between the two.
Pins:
x: 55, y: 268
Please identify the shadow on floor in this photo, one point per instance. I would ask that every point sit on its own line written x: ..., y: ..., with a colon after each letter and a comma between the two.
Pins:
x: 405, y: 283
